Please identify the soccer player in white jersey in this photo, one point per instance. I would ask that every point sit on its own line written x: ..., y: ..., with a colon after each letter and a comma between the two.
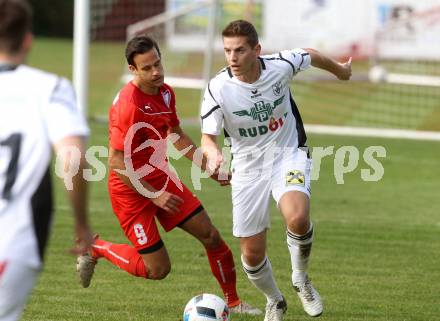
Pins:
x: 252, y: 101
x: 38, y: 111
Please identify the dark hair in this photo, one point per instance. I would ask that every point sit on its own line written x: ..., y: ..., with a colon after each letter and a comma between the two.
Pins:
x: 139, y: 45
x: 242, y: 28
x: 15, y: 22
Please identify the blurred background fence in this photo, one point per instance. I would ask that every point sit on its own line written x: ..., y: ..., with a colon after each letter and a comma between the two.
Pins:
x: 395, y: 45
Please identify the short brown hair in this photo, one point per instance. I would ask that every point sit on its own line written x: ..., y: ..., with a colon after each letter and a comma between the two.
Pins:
x: 15, y: 22
x: 139, y: 45
x: 242, y: 28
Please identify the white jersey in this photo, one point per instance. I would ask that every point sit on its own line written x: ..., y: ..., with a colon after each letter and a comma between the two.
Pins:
x: 261, y: 118
x: 37, y: 109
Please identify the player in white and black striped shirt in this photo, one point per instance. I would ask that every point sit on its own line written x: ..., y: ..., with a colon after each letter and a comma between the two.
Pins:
x: 38, y: 112
x: 251, y: 100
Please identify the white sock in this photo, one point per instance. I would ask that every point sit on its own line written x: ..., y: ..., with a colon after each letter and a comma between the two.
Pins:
x: 261, y: 277
x: 300, y: 247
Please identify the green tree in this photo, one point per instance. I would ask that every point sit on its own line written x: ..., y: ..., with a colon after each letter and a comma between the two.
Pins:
x: 53, y: 18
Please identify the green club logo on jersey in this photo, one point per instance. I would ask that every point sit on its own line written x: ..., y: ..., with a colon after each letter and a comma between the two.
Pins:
x: 261, y: 110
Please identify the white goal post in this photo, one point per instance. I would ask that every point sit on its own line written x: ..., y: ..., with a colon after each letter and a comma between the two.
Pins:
x: 81, y: 35
x: 183, y: 82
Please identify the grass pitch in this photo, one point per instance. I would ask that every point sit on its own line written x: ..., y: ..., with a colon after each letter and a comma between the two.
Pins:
x: 375, y: 255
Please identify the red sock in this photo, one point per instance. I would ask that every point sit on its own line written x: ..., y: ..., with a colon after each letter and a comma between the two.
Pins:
x: 122, y: 255
x: 223, y: 268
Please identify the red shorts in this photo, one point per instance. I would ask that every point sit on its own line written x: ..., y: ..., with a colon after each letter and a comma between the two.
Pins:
x: 136, y: 213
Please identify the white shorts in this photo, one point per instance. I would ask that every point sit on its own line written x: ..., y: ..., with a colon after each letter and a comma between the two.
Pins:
x: 16, y: 283
x: 251, y: 193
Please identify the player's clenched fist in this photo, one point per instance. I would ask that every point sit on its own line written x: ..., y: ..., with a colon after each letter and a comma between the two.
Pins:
x: 345, y: 70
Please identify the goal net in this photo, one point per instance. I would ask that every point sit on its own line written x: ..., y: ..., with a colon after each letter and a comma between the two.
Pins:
x: 187, y: 31
x: 395, y: 89
x: 406, y: 64
x: 395, y: 45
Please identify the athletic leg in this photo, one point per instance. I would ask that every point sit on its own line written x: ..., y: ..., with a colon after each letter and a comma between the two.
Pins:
x: 257, y: 266
x: 147, y: 257
x: 294, y: 206
x: 219, y: 255
x: 250, y: 200
x: 291, y: 191
x: 134, y: 261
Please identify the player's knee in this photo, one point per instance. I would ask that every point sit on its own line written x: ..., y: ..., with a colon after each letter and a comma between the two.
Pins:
x: 159, y: 272
x: 211, y: 238
x: 299, y: 223
x: 253, y: 256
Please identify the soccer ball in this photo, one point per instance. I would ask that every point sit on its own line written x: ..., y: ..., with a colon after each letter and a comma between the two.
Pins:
x: 377, y: 74
x: 206, y: 307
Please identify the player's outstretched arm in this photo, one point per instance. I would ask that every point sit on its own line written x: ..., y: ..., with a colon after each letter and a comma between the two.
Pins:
x: 342, y: 70
x: 78, y: 193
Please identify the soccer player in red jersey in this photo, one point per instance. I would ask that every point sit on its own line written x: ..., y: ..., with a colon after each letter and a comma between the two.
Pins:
x: 142, y: 187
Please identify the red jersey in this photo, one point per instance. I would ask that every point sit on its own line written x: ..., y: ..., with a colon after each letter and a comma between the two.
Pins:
x: 138, y: 125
